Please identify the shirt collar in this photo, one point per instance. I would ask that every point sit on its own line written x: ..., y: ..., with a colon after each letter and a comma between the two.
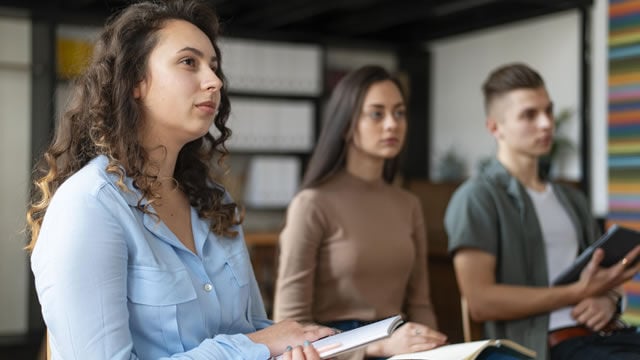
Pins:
x: 131, y: 194
x: 499, y: 174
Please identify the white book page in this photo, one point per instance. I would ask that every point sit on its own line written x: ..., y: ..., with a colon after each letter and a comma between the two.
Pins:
x: 448, y: 352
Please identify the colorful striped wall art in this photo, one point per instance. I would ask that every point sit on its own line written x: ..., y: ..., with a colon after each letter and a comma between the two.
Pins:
x: 624, y: 128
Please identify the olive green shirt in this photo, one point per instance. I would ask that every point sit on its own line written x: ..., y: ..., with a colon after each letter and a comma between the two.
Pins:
x: 493, y: 212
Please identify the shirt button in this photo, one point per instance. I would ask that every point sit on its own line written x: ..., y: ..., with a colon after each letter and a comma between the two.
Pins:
x: 208, y: 287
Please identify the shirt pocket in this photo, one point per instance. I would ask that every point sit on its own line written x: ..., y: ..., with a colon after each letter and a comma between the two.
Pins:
x: 154, y: 298
x: 239, y: 267
x: 239, y: 274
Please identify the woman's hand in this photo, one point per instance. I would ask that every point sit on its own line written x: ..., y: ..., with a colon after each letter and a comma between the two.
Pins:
x: 288, y: 333
x: 595, y: 280
x: 304, y: 352
x: 410, y: 337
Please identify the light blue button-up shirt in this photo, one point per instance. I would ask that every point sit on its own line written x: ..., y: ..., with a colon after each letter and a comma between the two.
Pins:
x: 115, y: 283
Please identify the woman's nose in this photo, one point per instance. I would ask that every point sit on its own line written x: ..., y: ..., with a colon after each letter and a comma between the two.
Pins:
x: 390, y: 122
x: 212, y: 82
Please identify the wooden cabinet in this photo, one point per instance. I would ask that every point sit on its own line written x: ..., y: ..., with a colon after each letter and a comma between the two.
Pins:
x: 263, y: 249
x: 444, y: 287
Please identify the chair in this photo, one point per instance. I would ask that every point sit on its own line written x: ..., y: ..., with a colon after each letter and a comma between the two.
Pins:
x: 44, y: 353
x: 472, y: 330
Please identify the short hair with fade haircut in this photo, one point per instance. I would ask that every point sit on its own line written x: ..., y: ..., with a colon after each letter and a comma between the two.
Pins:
x: 507, y: 78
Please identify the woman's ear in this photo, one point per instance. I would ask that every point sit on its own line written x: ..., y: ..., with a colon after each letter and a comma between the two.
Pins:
x: 140, y: 89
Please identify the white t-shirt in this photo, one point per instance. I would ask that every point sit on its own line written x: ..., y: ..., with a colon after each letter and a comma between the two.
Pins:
x: 561, y: 244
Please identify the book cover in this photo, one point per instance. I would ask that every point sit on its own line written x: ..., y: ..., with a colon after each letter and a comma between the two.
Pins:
x: 616, y: 243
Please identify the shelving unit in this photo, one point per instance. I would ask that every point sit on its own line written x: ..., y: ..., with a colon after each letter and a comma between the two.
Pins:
x: 275, y: 90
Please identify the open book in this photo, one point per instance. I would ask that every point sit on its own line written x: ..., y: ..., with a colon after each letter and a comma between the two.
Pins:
x: 354, y: 339
x: 616, y: 243
x: 472, y: 350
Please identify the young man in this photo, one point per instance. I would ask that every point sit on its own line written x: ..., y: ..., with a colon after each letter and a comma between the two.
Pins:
x: 511, y: 232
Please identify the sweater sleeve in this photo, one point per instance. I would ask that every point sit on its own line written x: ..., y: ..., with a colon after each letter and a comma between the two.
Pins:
x: 418, y: 305
x: 300, y: 241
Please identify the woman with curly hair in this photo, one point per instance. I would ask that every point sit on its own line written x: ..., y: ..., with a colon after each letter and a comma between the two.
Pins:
x: 137, y: 249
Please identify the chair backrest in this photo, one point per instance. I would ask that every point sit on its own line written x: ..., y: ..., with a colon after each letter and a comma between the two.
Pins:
x: 472, y: 330
x: 44, y: 353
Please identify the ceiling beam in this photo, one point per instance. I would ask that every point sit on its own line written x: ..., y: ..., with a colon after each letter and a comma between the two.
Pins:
x: 485, y: 17
x: 282, y: 13
x: 389, y: 15
x: 454, y: 7
x: 382, y: 16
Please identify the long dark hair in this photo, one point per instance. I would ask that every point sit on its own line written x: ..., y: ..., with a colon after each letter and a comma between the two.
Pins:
x: 339, y: 122
x: 103, y: 118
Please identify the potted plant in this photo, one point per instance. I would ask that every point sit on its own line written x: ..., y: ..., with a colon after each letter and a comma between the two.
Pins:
x: 560, y: 144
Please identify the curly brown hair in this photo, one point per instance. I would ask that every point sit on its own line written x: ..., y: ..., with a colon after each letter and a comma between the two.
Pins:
x: 102, y: 117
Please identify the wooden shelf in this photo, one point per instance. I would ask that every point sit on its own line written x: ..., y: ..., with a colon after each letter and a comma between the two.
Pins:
x: 261, y: 238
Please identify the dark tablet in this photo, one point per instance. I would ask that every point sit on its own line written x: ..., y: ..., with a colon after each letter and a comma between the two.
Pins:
x: 616, y: 243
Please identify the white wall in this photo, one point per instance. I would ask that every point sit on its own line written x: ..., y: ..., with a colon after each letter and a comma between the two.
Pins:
x: 550, y: 44
x: 15, y: 148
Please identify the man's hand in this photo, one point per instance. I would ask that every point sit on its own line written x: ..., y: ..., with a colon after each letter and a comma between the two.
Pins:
x: 594, y: 312
x: 595, y: 280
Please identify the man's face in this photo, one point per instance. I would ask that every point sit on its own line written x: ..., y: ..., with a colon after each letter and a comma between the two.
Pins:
x: 522, y: 122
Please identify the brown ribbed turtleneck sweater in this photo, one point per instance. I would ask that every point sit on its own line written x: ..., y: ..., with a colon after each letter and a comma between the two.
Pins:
x: 353, y: 249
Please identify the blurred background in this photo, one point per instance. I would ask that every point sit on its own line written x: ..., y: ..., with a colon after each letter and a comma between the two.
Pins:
x: 282, y: 58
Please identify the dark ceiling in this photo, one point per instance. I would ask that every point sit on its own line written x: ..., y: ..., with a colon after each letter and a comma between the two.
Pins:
x: 395, y: 21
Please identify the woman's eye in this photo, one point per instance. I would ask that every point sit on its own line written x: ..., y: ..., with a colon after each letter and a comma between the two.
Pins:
x: 400, y: 114
x: 376, y: 114
x: 189, y: 61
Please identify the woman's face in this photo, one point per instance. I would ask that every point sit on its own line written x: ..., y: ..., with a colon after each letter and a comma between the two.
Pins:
x: 181, y: 91
x: 382, y: 125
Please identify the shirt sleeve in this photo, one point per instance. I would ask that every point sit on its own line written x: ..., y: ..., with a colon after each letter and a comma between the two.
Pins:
x: 471, y: 219
x: 418, y: 305
x: 80, y: 267
x: 224, y: 347
x: 300, y: 241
